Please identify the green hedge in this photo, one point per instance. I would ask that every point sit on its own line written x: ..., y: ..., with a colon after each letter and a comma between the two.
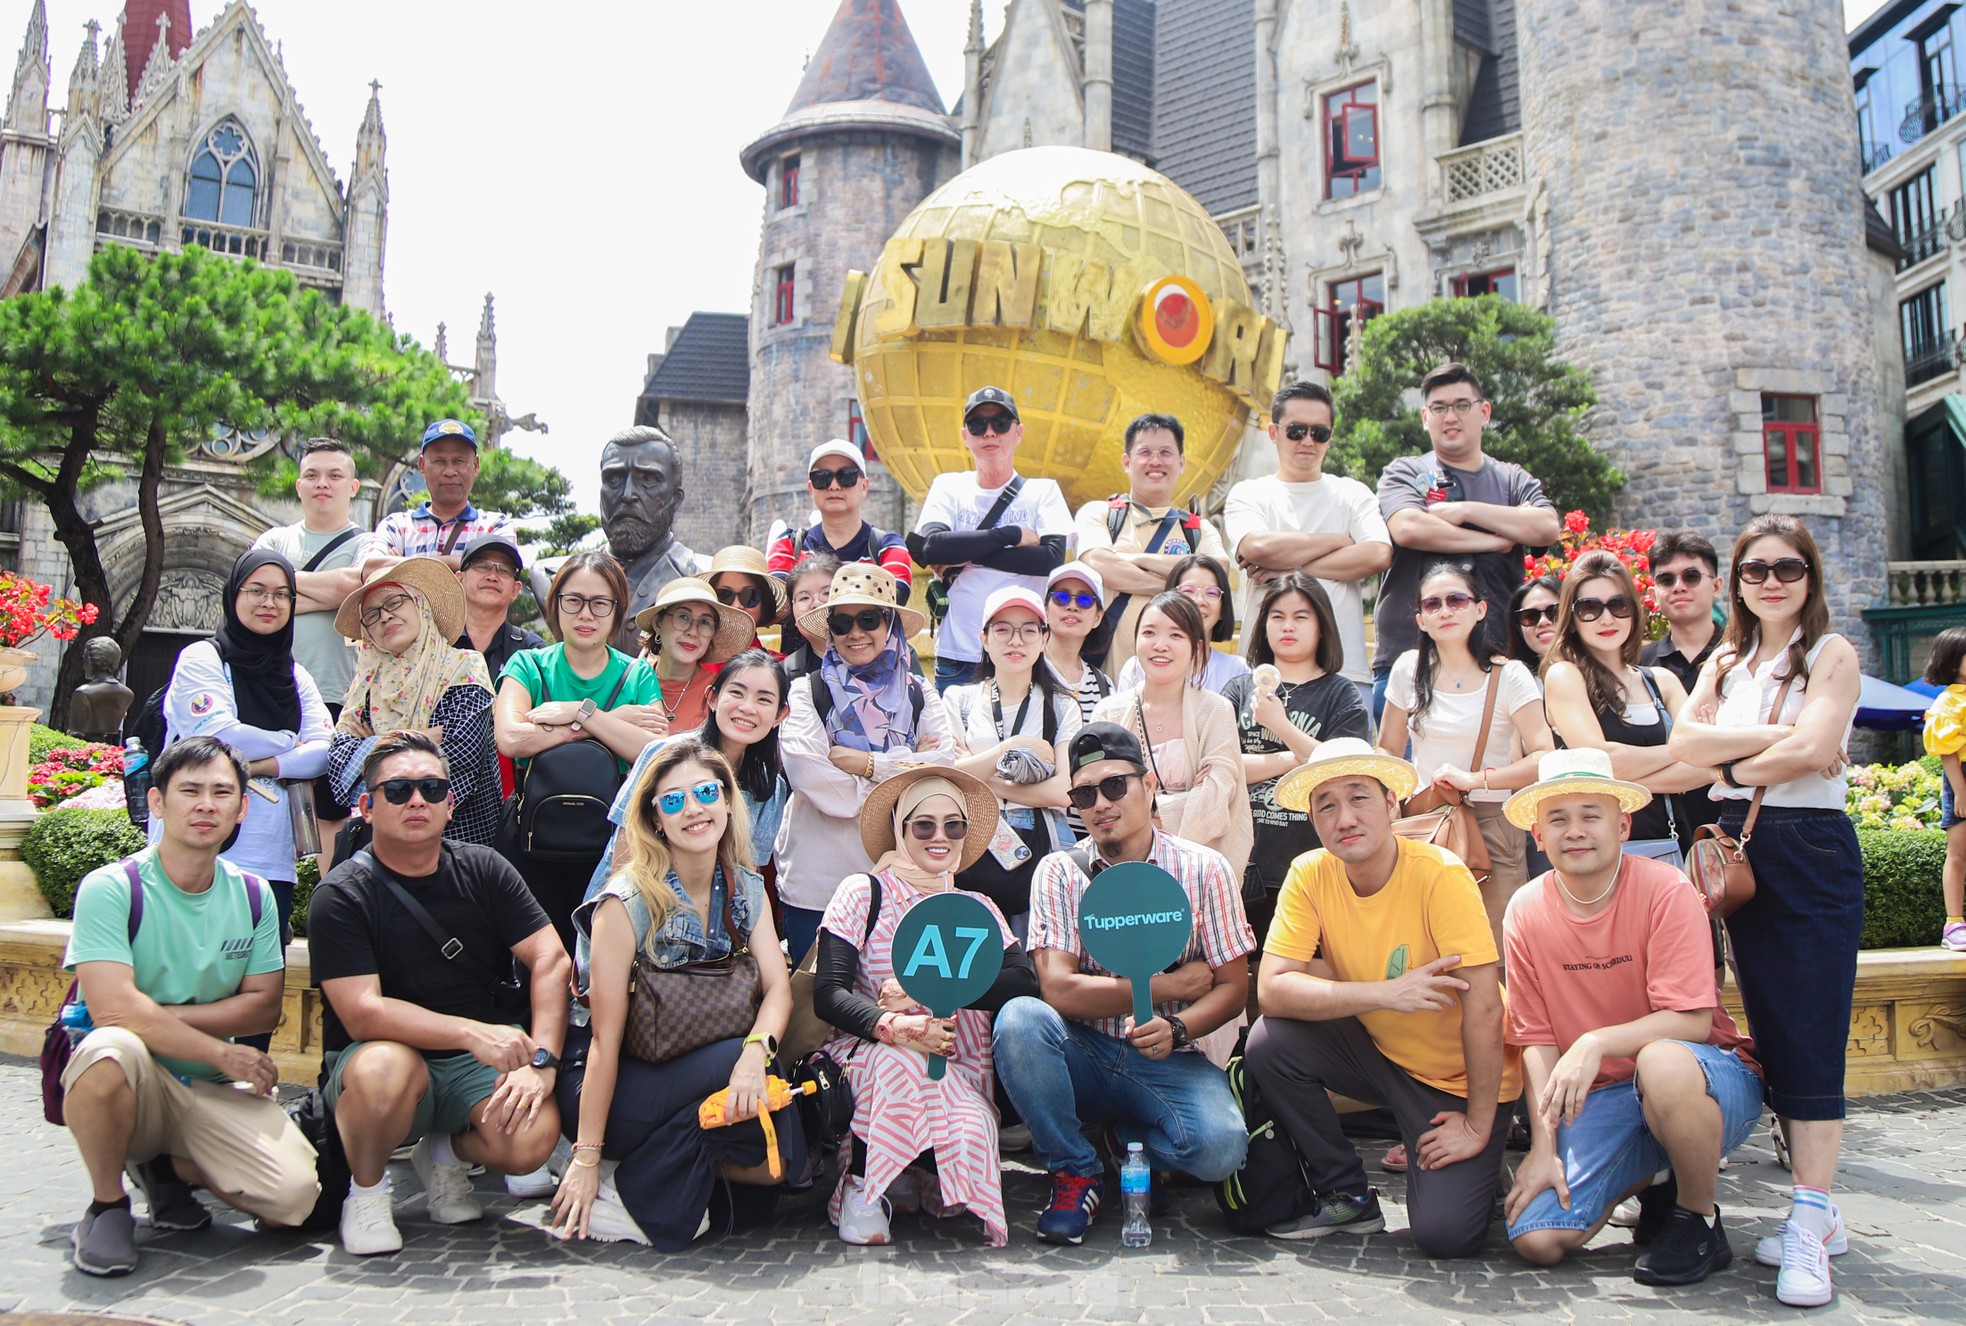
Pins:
x: 41, y: 740
x: 307, y: 874
x: 1903, y: 907
x: 65, y: 845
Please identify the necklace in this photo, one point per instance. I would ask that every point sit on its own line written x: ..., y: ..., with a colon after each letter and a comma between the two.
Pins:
x: 670, y: 711
x: 1588, y: 902
x: 1159, y: 724
x: 1461, y: 681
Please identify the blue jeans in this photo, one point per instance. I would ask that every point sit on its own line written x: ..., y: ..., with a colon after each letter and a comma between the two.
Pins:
x: 1062, y: 1074
x: 952, y: 672
x: 801, y: 930
x: 1380, y: 676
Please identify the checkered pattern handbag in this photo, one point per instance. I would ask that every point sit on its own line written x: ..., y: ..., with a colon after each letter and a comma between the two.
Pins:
x: 673, y: 1010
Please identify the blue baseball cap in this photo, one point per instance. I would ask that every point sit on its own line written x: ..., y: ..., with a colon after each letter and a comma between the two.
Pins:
x: 444, y: 428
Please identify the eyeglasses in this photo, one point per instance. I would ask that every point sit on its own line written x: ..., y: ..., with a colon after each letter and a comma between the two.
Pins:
x: 1206, y: 591
x: 1528, y: 617
x: 867, y: 619
x: 1433, y: 603
x: 1004, y: 632
x: 600, y: 604
x: 707, y: 793
x: 989, y: 423
x: 1113, y: 789
x: 495, y: 569
x: 389, y: 607
x: 1319, y: 433
x: 1441, y: 409
x: 260, y: 594
x: 1788, y: 570
x: 1589, y: 610
x: 824, y: 479
x: 683, y: 621
x: 396, y: 791
x: 1690, y: 578
x: 1065, y: 598
x: 746, y: 597
x: 929, y: 830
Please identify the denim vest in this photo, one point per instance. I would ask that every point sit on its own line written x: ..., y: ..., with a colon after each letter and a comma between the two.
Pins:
x: 683, y: 938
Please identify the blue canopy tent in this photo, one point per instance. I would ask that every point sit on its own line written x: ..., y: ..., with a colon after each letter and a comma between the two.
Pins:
x: 1890, y: 708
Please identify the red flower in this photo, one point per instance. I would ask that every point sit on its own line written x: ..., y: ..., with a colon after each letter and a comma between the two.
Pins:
x: 1576, y: 523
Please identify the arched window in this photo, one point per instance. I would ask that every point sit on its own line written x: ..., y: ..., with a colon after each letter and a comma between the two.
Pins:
x: 224, y: 183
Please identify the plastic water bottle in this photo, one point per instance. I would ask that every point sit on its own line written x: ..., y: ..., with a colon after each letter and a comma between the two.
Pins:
x: 1136, y: 1191
x: 136, y: 782
x: 75, y: 1019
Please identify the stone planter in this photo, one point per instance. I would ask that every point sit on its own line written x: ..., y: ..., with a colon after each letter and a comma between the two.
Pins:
x: 20, y: 896
x: 13, y: 668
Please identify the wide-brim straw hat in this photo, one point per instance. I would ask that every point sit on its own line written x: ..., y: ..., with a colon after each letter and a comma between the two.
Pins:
x: 740, y: 559
x: 428, y: 577
x: 1570, y: 773
x: 862, y: 585
x: 979, y: 808
x: 735, y: 629
x: 1345, y: 757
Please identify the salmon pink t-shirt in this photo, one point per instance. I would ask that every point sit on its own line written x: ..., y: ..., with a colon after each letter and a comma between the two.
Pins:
x: 1650, y: 951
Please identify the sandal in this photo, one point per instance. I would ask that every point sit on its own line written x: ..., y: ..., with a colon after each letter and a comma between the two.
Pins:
x: 1394, y: 1161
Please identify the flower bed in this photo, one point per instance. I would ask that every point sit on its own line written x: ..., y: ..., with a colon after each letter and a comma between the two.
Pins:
x: 69, y: 770
x: 1895, y: 796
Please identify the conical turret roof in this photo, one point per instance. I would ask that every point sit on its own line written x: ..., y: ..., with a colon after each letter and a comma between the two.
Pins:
x: 868, y: 54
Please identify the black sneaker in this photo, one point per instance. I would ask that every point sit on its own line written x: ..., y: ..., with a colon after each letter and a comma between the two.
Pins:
x: 105, y: 1243
x: 1685, y: 1252
x: 1336, y: 1213
x: 172, y: 1203
x: 1655, y: 1207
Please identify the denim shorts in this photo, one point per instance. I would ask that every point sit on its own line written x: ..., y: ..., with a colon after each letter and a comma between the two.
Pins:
x: 1609, y: 1151
x: 1948, y: 814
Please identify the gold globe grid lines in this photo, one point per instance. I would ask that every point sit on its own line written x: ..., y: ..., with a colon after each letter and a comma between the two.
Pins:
x: 1091, y: 288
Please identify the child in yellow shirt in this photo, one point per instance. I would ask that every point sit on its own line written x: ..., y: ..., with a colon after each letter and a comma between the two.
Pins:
x: 1945, y: 737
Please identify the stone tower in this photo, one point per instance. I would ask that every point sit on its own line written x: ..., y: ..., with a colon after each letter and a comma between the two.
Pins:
x: 864, y: 139
x: 1700, y: 298
x: 24, y: 139
x: 366, y: 221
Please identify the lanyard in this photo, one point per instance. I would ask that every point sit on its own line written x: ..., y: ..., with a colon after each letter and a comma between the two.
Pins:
x: 996, y: 709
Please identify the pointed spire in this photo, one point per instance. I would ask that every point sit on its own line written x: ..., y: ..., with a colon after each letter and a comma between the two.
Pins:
x: 485, y: 332
x: 371, y: 142
x: 975, y: 42
x: 157, y: 69
x: 144, y: 34
x: 443, y: 348
x: 82, y: 79
x: 27, y: 103
x: 868, y: 54
x: 116, y: 77
x: 484, y: 368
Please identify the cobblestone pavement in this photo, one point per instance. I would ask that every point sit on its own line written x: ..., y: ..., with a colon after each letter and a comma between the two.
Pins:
x: 1901, y: 1195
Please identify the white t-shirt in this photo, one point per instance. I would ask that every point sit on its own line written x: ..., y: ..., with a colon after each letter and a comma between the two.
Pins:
x: 1448, y: 731
x: 955, y: 500
x: 1331, y: 505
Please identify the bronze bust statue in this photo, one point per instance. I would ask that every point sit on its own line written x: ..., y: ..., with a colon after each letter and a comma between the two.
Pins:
x: 641, y: 489
x: 102, y: 699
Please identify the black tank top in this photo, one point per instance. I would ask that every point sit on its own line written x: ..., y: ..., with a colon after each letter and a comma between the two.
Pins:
x: 1650, y: 821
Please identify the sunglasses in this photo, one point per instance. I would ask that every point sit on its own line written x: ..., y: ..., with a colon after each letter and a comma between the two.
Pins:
x: 928, y: 830
x: 707, y: 793
x: 824, y: 479
x: 1689, y: 578
x: 1319, y: 433
x: 867, y: 619
x: 746, y: 597
x: 1788, y: 570
x: 396, y: 791
x: 1589, y: 610
x: 1113, y: 789
x: 1065, y: 598
x: 1528, y: 617
x: 1433, y: 603
x: 990, y: 423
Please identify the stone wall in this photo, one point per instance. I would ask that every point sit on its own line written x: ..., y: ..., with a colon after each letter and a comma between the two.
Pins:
x: 710, y: 438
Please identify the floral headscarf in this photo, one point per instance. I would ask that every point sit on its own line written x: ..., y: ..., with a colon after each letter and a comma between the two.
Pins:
x: 873, y: 709
x: 401, y: 690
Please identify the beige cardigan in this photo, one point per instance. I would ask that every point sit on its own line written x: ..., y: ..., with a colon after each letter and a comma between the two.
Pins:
x: 1215, y: 810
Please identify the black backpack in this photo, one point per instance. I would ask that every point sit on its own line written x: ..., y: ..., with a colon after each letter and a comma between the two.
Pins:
x: 147, y: 723
x: 560, y: 811
x: 310, y: 1113
x: 1271, y: 1187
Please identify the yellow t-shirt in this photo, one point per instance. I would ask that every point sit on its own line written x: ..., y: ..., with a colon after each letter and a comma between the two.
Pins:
x: 1429, y: 908
x: 1945, y: 722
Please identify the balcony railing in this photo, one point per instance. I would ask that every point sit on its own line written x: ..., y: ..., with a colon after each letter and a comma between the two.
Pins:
x: 1924, y: 584
x: 237, y: 241
x: 319, y: 254
x: 1929, y: 360
x: 134, y: 228
x: 1925, y: 113
x: 1245, y: 232
x: 1491, y: 167
x: 1875, y: 155
x: 1922, y: 243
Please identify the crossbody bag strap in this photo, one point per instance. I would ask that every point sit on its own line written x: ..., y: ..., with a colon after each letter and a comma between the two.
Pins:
x: 314, y: 562
x: 1754, y: 804
x: 449, y: 945
x: 1487, y: 714
x: 619, y: 682
x: 1141, y: 712
x: 450, y: 540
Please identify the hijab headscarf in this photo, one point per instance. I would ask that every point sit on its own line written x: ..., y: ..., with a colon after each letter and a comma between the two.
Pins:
x: 402, y: 690
x: 873, y: 709
x: 896, y: 859
x: 264, y: 692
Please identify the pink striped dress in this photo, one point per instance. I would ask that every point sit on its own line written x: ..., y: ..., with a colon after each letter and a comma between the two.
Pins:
x: 897, y: 1110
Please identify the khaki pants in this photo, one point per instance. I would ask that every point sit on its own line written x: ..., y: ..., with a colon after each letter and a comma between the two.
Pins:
x: 1508, y: 862
x: 244, y: 1145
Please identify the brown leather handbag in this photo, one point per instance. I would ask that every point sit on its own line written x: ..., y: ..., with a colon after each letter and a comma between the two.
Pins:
x: 1440, y: 814
x: 673, y: 1010
x: 1718, y: 864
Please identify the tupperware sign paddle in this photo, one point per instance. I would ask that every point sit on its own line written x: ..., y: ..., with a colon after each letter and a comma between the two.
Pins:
x: 947, y: 952
x: 1134, y: 920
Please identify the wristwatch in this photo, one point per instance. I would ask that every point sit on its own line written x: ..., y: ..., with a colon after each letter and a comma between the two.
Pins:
x: 543, y: 1059
x: 1727, y: 773
x: 585, y: 712
x: 765, y: 1039
x: 1181, y: 1036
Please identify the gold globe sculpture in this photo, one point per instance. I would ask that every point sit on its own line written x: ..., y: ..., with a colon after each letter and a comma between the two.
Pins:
x: 1091, y: 288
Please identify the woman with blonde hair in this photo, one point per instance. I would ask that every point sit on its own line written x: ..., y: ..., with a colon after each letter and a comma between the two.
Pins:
x: 644, y: 1170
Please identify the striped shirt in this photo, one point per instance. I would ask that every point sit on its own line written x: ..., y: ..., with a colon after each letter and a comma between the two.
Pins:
x: 1221, y: 934
x: 420, y: 533
x: 884, y: 548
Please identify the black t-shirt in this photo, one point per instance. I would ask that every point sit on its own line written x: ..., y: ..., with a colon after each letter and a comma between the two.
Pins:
x: 1325, y: 707
x: 356, y: 927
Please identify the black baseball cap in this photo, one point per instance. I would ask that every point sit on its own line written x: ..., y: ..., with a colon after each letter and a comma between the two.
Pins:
x: 485, y: 543
x: 990, y: 396
x: 1105, y: 741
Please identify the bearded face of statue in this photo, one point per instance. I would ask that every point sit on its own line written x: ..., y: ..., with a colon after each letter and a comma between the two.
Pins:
x: 641, y: 487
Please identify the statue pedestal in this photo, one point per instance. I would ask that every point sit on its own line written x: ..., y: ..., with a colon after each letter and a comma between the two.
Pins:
x: 20, y: 896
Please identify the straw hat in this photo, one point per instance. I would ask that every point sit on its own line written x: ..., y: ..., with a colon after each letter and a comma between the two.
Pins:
x: 740, y: 559
x: 1345, y: 757
x: 428, y: 577
x: 1569, y: 773
x: 862, y: 585
x: 735, y: 629
x: 979, y: 808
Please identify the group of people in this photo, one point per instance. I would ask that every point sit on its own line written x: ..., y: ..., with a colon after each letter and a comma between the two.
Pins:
x: 536, y: 827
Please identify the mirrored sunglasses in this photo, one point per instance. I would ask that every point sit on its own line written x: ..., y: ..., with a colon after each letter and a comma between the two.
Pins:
x: 1316, y: 432
x: 1065, y: 598
x: 707, y: 793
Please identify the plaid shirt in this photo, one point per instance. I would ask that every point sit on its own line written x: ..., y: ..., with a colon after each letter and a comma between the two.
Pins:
x: 1221, y: 934
x: 419, y: 533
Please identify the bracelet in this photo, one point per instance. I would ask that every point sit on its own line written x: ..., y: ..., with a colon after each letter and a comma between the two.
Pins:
x: 585, y: 1146
x: 1484, y: 778
x: 870, y: 766
x: 578, y: 1163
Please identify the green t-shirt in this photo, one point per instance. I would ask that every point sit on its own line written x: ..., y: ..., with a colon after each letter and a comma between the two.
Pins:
x: 529, y: 667
x: 191, y: 948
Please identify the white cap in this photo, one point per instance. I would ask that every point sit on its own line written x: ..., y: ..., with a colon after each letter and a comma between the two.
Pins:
x: 840, y: 447
x: 1011, y: 596
x: 1078, y: 571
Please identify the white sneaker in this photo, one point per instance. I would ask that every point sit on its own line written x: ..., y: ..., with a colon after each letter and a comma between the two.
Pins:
x: 1768, y: 1251
x: 863, y: 1220
x: 1625, y: 1214
x: 448, y: 1188
x: 904, y: 1195
x: 608, y: 1220
x: 538, y: 1183
x: 1804, y: 1278
x: 368, y: 1225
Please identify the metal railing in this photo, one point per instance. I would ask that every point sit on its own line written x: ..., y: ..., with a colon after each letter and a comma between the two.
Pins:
x: 1927, y: 112
x: 1924, y: 584
x: 1875, y: 155
x: 1490, y: 167
x: 1929, y: 360
x: 1929, y: 239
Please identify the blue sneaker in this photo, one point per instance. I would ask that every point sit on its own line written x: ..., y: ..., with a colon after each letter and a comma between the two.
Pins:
x: 1074, y: 1203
